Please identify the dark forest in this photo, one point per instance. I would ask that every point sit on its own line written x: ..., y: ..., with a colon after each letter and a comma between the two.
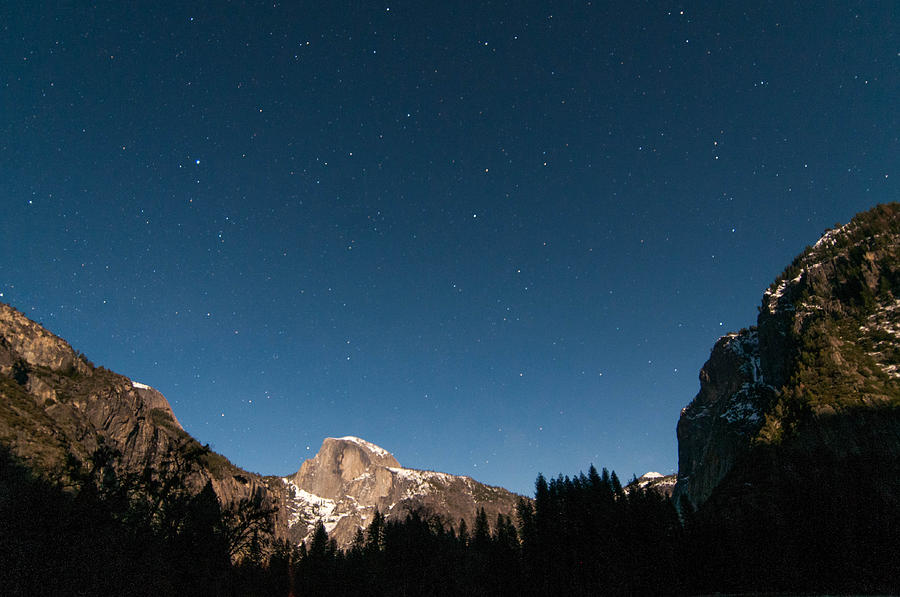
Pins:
x: 104, y: 533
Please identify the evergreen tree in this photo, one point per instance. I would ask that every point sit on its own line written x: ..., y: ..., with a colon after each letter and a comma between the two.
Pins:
x: 481, y: 537
x: 359, y: 542
x: 319, y: 546
x: 463, y: 534
x: 317, y: 567
x: 375, y: 534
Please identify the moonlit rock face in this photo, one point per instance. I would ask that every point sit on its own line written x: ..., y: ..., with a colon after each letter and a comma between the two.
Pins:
x: 364, y: 444
x: 836, y: 301
x: 37, y: 346
x: 155, y: 400
x: 69, y: 406
x: 350, y: 478
x: 341, y: 461
x: 714, y: 430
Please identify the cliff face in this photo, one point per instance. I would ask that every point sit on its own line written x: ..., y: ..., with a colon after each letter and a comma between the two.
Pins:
x: 716, y: 429
x: 55, y: 404
x: 346, y: 463
x: 350, y: 478
x: 826, y: 346
x: 25, y: 340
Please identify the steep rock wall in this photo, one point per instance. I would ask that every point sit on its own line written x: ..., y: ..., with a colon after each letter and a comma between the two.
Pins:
x: 715, y: 430
x: 350, y: 478
x: 826, y: 345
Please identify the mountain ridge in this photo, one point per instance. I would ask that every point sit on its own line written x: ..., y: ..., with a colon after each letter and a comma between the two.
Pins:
x: 57, y: 406
x: 350, y: 479
x: 818, y: 375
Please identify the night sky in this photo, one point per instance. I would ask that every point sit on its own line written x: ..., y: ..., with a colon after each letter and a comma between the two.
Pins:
x: 494, y: 238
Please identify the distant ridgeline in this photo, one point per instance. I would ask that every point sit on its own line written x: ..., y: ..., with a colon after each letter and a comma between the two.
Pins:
x: 789, y: 476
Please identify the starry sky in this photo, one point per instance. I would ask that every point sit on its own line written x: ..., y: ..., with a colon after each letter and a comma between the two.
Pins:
x: 495, y: 238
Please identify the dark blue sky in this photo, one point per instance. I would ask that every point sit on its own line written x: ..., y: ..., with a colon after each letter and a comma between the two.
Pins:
x: 496, y: 240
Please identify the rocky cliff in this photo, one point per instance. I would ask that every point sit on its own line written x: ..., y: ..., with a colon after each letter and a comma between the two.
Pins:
x: 54, y: 404
x: 350, y: 478
x: 717, y: 428
x: 826, y: 346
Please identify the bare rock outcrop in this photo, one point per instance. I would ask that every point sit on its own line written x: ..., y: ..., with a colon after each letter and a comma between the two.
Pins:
x: 350, y: 479
x: 55, y: 405
x: 342, y: 464
x: 36, y: 346
x: 826, y: 343
x: 716, y: 429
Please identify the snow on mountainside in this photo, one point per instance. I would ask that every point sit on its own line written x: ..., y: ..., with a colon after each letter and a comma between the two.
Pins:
x: 826, y: 342
x: 653, y: 481
x: 350, y: 478
x: 308, y: 509
x: 882, y: 331
x: 367, y: 445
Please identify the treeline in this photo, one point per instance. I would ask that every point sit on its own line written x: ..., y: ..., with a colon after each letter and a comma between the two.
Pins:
x: 146, y: 534
x: 105, y: 532
x: 579, y: 536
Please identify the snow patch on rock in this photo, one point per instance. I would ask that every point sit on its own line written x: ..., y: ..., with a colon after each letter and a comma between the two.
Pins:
x: 420, y: 482
x: 883, y: 329
x: 363, y: 443
x: 310, y: 508
x: 741, y: 407
x: 774, y: 297
x: 829, y: 239
x: 655, y: 481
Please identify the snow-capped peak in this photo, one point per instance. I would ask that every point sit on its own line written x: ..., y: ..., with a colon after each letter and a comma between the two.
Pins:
x: 363, y: 443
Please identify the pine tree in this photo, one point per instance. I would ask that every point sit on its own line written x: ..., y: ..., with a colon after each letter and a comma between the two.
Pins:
x: 319, y: 547
x: 375, y: 534
x: 482, y: 535
x: 359, y: 542
x: 463, y: 534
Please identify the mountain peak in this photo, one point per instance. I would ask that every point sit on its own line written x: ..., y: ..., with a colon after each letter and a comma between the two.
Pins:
x: 350, y: 478
x: 341, y: 461
x: 368, y: 446
x: 155, y: 400
x: 653, y: 481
